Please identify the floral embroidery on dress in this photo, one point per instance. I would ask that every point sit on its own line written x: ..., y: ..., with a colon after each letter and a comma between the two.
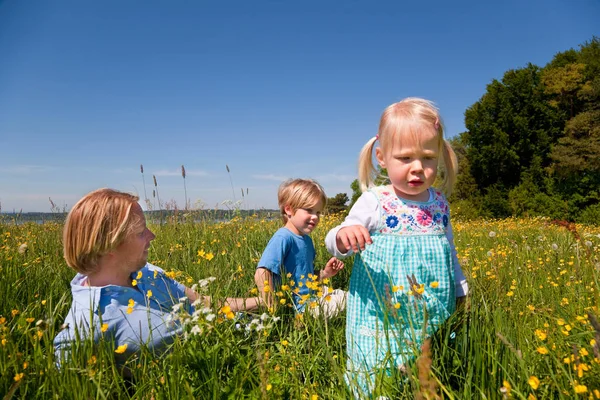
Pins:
x: 403, y: 217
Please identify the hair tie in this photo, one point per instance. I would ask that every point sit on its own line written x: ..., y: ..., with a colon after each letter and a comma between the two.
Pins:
x: 377, y: 137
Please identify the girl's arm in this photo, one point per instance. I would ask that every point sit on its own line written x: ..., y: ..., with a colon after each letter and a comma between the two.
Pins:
x: 362, y: 219
x: 462, y: 287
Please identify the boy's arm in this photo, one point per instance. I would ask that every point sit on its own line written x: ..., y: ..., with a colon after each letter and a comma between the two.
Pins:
x: 264, y: 282
x: 332, y: 267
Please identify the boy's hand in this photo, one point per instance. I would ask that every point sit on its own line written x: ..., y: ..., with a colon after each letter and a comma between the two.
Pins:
x: 332, y: 267
x: 352, y: 237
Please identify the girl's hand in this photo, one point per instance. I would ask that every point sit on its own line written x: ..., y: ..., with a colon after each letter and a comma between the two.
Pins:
x: 353, y: 237
x: 332, y: 267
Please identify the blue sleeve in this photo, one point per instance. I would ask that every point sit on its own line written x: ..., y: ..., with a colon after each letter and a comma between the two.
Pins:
x: 274, y: 254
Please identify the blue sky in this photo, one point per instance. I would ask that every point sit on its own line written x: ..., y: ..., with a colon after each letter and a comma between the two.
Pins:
x: 89, y: 90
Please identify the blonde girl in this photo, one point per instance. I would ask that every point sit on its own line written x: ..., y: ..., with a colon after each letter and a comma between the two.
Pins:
x: 406, y: 277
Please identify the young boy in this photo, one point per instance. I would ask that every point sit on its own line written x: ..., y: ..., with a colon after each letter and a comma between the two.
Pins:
x: 291, y: 251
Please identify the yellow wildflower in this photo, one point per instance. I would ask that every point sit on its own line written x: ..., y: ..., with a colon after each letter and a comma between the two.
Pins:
x: 269, y: 387
x: 226, y: 309
x: 209, y: 256
x: 149, y: 293
x: 534, y: 382
x: 541, y: 334
x: 104, y: 327
x: 542, y: 350
x: 121, y: 349
x: 18, y: 377
x: 510, y: 293
x: 29, y: 320
x: 285, y: 342
x: 506, y: 387
x: 579, y: 389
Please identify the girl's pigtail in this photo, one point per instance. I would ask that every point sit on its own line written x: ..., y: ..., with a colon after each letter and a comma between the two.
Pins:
x: 366, y: 170
x: 451, y: 168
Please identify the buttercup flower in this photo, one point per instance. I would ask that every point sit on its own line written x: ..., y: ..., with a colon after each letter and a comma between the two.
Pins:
x: 534, y: 382
x: 121, y: 349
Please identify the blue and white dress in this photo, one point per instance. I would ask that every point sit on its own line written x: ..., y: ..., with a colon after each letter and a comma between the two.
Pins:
x: 403, y: 286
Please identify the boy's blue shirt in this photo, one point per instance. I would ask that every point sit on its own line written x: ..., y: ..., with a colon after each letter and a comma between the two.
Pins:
x: 286, y: 253
x: 145, y: 323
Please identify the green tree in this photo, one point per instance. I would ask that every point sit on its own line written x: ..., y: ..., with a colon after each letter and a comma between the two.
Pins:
x: 337, y: 203
x: 465, y: 187
x: 508, y: 127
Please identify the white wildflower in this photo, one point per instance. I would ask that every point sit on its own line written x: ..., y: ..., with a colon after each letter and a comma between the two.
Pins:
x: 176, y: 307
x: 492, y: 234
x: 196, y: 330
x: 204, y: 282
x: 22, y: 248
x: 554, y: 246
x: 198, y: 302
x: 210, y: 317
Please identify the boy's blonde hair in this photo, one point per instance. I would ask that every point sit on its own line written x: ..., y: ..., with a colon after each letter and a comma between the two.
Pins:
x: 97, y: 224
x: 299, y: 193
x: 407, y: 118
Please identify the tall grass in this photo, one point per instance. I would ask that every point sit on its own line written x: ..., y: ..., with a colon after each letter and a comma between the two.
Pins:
x: 526, y: 332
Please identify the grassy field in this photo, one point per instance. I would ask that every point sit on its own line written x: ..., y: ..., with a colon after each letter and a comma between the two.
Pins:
x: 529, y: 331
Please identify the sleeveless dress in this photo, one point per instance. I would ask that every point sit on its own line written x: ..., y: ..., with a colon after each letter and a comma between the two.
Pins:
x: 402, y: 286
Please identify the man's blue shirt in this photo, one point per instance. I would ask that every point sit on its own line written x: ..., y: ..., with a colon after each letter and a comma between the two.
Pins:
x: 134, y: 316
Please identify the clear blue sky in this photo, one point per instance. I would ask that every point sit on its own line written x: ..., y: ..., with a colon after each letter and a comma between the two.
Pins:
x: 89, y: 90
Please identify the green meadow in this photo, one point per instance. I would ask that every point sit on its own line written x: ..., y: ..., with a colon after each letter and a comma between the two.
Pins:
x: 529, y: 329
